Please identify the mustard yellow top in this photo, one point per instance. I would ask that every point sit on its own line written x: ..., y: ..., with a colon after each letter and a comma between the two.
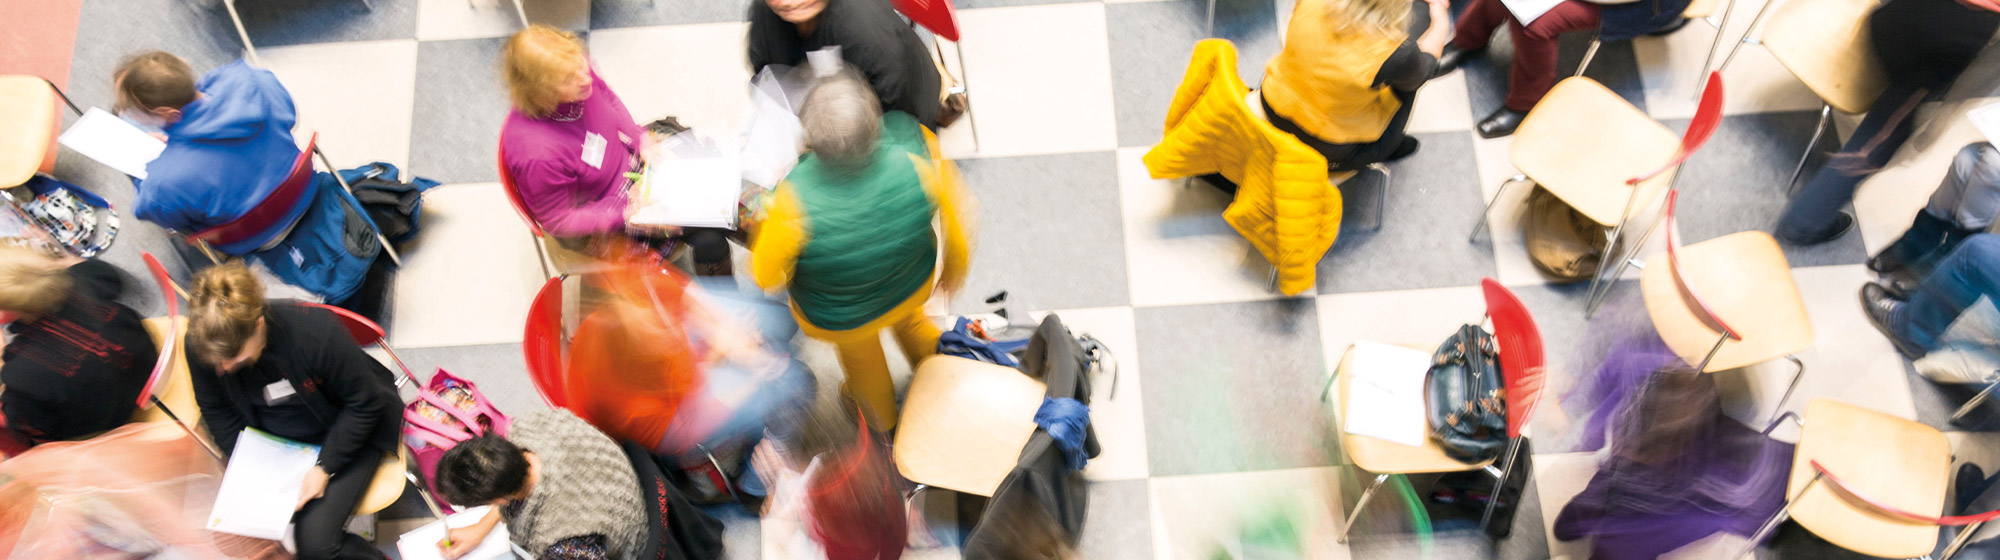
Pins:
x: 1323, y: 80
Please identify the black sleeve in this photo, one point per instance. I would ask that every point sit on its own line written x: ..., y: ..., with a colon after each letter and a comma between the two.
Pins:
x: 1406, y: 69
x: 361, y: 390
x: 765, y: 43
x: 29, y: 417
x: 877, y: 47
x: 97, y: 279
x: 216, y: 411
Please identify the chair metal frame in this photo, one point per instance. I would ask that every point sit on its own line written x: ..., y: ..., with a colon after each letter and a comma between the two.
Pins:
x: 1977, y: 398
x: 367, y: 332
x: 1971, y: 523
x: 250, y: 50
x: 1719, y: 25
x: 1752, y: 37
x: 164, y: 366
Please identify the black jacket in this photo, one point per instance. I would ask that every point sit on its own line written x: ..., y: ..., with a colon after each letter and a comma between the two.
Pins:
x: 1041, y: 495
x: 78, y: 370
x: 349, y: 393
x: 870, y: 36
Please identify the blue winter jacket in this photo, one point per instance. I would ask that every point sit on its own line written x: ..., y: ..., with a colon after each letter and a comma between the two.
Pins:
x: 231, y: 148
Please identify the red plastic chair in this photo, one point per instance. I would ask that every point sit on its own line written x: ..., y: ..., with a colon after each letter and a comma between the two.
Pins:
x: 542, y: 254
x: 366, y: 332
x: 935, y: 15
x: 542, y: 344
x: 1707, y: 118
x: 1522, y: 362
x: 271, y: 220
x: 169, y: 348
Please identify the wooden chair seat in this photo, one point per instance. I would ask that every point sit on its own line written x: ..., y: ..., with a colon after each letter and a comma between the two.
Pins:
x: 1745, y: 280
x: 1380, y: 456
x: 1826, y: 44
x: 388, y: 484
x: 1583, y: 142
x: 178, y: 392
x: 27, y: 129
x: 964, y: 424
x: 1901, y: 463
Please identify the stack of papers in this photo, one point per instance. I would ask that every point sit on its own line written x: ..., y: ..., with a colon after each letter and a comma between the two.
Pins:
x: 113, y: 142
x: 692, y: 192
x: 1386, y: 397
x: 422, y: 543
x: 260, y: 489
x: 1527, y: 11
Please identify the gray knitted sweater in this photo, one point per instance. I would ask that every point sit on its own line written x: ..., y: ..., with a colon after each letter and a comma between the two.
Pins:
x: 587, y: 487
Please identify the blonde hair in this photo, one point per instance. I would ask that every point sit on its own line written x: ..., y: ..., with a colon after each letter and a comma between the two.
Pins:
x: 226, y: 304
x: 535, y: 62
x: 31, y: 282
x: 1389, y: 18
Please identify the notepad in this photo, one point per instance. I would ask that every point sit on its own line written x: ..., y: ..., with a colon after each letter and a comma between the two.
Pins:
x: 691, y: 192
x: 260, y: 490
x: 422, y: 543
x: 1527, y: 11
x: 1986, y: 118
x: 113, y: 142
x: 1386, y: 397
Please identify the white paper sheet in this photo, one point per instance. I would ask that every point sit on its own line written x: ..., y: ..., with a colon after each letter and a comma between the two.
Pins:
x: 1386, y: 398
x: 113, y: 142
x: 1527, y: 11
x: 1986, y: 118
x: 422, y: 543
x: 260, y: 489
x: 694, y: 192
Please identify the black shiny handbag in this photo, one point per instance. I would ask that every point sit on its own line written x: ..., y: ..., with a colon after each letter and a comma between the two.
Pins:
x: 1467, y: 404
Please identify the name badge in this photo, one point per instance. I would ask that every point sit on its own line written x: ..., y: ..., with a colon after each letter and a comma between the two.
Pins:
x: 593, y: 150
x: 277, y: 392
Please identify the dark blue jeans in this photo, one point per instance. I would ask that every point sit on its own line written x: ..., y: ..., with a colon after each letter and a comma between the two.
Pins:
x: 1812, y: 215
x: 1972, y: 270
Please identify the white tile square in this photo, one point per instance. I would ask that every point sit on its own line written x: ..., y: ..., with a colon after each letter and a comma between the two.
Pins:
x: 1039, y: 78
x: 1888, y: 200
x: 1850, y: 361
x: 1415, y: 318
x: 1177, y: 246
x: 1197, y: 516
x: 1755, y: 82
x: 440, y: 20
x: 358, y: 96
x: 1559, y: 477
x: 699, y: 73
x: 1440, y: 106
x: 469, y: 277
x: 1119, y: 417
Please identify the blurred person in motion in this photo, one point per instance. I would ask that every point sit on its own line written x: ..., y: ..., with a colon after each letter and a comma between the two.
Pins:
x: 1348, y: 76
x: 870, y: 36
x: 293, y: 372
x: 1922, y: 45
x: 835, y: 493
x: 849, y: 233
x: 682, y: 370
x: 569, y: 144
x: 565, y: 490
x: 1533, y: 71
x: 77, y: 359
x: 1916, y: 319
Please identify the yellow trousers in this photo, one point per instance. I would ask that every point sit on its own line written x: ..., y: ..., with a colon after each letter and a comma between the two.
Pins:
x: 867, y: 366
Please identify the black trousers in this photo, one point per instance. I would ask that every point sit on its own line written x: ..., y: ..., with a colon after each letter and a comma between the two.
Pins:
x: 321, y: 527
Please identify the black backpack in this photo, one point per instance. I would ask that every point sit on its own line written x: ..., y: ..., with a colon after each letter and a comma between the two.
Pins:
x: 395, y: 206
x: 1467, y: 402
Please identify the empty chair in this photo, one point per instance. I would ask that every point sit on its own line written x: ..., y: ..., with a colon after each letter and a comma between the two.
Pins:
x: 1867, y: 481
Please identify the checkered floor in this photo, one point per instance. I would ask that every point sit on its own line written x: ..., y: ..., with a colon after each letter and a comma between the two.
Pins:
x: 1216, y: 419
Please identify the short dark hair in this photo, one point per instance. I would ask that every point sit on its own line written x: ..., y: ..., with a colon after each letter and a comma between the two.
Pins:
x: 482, y: 469
x: 155, y: 79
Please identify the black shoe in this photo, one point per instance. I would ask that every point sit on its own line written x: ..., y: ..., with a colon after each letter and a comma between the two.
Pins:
x: 1879, y: 305
x: 1451, y: 58
x: 1502, y: 122
x: 1884, y: 263
x: 1403, y: 150
x: 1842, y: 222
x: 1970, y: 483
x: 1670, y: 28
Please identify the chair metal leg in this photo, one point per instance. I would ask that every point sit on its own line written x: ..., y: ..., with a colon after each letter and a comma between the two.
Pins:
x: 1595, y: 42
x: 1825, y: 118
x: 1273, y: 285
x: 249, y: 50
x: 1356, y: 514
x: 64, y: 96
x: 965, y: 83
x: 1703, y: 367
x: 541, y: 257
x: 368, y: 4
x: 206, y: 251
x: 1493, y: 499
x: 1611, y: 246
x: 205, y: 446
x: 1974, y: 403
x: 1964, y: 537
x: 1381, y: 197
x: 1211, y: 18
x: 1706, y: 61
x: 386, y: 247
x: 1747, y: 32
x: 1794, y: 386
x: 1596, y: 299
x: 407, y: 376
x: 1483, y: 215
x: 521, y: 12
x: 1784, y: 513
x: 424, y: 493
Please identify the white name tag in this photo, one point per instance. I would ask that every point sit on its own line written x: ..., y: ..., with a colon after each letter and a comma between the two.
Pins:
x: 593, y: 150
x: 277, y: 392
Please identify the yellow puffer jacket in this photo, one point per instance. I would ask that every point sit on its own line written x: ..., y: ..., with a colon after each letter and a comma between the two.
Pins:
x: 1285, y: 205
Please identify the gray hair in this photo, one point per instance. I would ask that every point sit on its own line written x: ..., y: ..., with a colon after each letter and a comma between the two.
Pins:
x: 842, y: 120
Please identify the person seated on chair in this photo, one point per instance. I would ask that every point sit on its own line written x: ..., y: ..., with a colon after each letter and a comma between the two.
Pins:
x: 1923, y: 45
x: 1966, y: 203
x: 870, y: 36
x: 568, y: 145
x: 229, y: 138
x: 1534, y: 68
x: 566, y: 491
x: 293, y: 372
x: 1348, y: 77
x: 1914, y: 320
x: 850, y: 231
x: 78, y: 358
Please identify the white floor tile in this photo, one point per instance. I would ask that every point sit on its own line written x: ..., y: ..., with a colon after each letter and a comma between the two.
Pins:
x: 1850, y: 361
x: 1887, y: 201
x: 1199, y: 516
x: 1559, y: 477
x: 1415, y: 318
x: 698, y: 73
x: 358, y: 96
x: 439, y: 20
x: 1755, y: 82
x: 1040, y: 79
x: 1178, y: 248
x: 1440, y: 106
x: 1119, y: 417
x: 471, y: 274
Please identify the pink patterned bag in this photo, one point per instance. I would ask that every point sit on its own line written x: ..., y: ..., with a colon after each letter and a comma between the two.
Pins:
x: 448, y: 411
